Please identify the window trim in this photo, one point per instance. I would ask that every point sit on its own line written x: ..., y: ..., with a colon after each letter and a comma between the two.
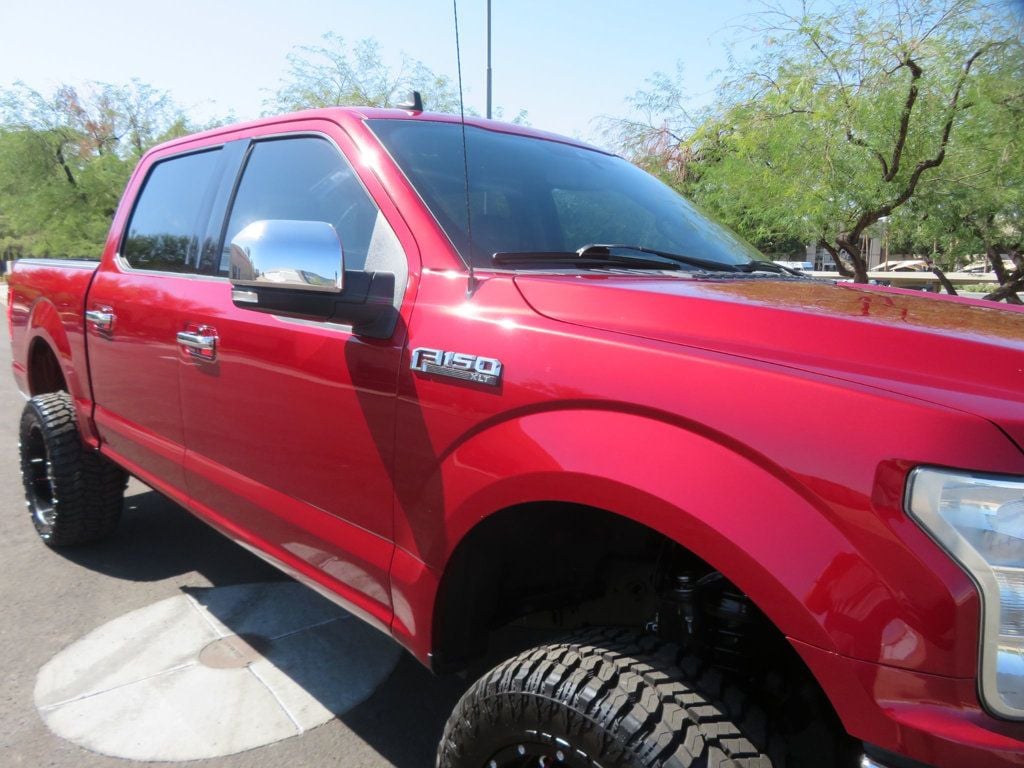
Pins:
x: 237, y: 154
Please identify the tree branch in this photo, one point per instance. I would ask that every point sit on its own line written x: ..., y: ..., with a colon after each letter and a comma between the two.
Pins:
x: 870, y: 217
x: 943, y: 280
x: 991, y: 249
x: 841, y: 267
x: 64, y: 164
x: 861, y: 143
x: 852, y: 248
x: 908, y: 107
x: 1007, y: 291
x: 1011, y: 284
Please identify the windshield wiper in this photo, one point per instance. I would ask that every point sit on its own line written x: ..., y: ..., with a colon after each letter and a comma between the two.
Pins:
x: 604, y: 255
x: 768, y: 266
x: 575, y: 259
x: 754, y: 265
x: 678, y: 258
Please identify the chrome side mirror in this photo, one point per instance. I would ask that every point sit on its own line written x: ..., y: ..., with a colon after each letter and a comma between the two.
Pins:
x: 295, y: 255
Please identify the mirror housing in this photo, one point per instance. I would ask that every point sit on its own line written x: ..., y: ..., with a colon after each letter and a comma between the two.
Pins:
x: 288, y: 255
x: 297, y: 269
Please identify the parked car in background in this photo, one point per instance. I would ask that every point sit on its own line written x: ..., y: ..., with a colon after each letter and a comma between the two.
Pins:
x: 802, y: 266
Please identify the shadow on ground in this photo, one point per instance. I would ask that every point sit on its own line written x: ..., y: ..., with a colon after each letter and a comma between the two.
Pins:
x: 403, y: 718
x: 159, y: 540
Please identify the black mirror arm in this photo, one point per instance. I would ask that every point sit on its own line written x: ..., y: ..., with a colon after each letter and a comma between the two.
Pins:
x: 366, y: 303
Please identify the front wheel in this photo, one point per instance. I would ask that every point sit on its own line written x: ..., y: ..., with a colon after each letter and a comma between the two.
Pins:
x: 610, y: 699
x: 73, y: 494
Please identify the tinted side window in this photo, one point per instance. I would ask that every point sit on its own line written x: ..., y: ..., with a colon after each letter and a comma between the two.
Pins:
x: 304, y: 179
x: 162, y: 230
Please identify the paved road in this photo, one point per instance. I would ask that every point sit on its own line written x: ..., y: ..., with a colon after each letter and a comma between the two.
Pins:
x: 51, y: 599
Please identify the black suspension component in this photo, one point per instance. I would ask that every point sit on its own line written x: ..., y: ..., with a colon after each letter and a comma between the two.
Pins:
x: 712, y: 618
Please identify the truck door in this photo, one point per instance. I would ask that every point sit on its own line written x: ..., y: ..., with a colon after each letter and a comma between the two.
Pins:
x: 289, y: 423
x: 132, y: 318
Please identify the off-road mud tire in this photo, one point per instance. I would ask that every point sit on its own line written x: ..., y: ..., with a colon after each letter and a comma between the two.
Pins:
x: 609, y: 698
x: 74, y: 495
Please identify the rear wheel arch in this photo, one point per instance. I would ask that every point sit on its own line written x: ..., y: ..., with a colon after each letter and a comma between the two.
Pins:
x: 45, y: 373
x: 48, y: 343
x: 52, y: 366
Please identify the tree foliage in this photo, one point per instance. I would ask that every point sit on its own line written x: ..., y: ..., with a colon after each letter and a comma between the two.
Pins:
x: 975, y: 204
x: 66, y: 155
x: 335, y: 74
x: 65, y: 158
x: 902, y: 112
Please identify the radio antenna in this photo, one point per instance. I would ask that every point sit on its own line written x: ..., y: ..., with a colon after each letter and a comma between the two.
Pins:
x: 465, y: 154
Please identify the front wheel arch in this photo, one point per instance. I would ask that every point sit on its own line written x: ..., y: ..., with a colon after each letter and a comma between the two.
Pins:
x: 694, y: 491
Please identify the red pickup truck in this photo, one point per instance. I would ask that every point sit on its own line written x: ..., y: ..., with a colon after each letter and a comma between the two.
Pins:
x: 460, y: 376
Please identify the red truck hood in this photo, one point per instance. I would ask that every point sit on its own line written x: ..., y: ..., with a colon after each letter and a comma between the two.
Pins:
x: 961, y: 353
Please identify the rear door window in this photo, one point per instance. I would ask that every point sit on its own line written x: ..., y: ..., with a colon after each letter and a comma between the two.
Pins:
x: 169, y: 213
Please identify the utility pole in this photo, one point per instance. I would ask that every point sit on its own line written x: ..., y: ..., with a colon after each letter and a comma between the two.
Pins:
x: 488, y: 59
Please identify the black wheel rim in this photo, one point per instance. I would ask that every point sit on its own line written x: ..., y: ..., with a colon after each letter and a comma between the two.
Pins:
x: 39, y: 481
x: 539, y: 750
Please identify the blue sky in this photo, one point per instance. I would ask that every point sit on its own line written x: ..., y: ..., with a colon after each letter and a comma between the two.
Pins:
x: 565, y: 61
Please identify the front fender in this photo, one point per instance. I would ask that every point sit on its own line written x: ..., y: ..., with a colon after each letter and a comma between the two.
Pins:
x: 786, y: 548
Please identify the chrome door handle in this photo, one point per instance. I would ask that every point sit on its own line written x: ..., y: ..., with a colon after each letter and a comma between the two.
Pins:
x: 102, y: 319
x: 200, y: 344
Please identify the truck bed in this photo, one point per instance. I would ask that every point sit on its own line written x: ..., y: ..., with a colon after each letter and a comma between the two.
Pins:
x: 46, y: 301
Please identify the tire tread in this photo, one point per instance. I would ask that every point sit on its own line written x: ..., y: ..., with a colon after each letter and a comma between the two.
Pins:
x: 88, y: 488
x: 646, y: 705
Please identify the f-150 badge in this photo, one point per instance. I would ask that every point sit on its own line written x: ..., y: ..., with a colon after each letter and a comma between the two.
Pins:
x: 459, y: 365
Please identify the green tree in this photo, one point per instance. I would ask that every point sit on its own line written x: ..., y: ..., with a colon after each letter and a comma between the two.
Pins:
x: 65, y: 158
x: 975, y: 205
x: 841, y: 120
x: 335, y: 74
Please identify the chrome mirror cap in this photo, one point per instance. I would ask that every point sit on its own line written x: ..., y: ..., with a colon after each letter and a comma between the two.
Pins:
x: 296, y: 255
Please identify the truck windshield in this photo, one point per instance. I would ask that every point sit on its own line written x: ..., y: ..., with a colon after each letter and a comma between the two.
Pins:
x: 530, y: 195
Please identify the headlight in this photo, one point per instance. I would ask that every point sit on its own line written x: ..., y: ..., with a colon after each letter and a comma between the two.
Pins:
x: 979, y: 520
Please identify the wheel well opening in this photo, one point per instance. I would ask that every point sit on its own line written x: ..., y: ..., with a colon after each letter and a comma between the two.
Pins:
x: 44, y: 371
x: 563, y: 567
x: 561, y: 563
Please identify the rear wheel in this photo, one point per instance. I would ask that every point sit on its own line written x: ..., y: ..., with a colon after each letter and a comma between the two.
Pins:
x: 610, y: 699
x: 73, y: 494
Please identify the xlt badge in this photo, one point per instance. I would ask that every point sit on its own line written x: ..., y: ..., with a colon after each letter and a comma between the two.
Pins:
x: 459, y: 365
